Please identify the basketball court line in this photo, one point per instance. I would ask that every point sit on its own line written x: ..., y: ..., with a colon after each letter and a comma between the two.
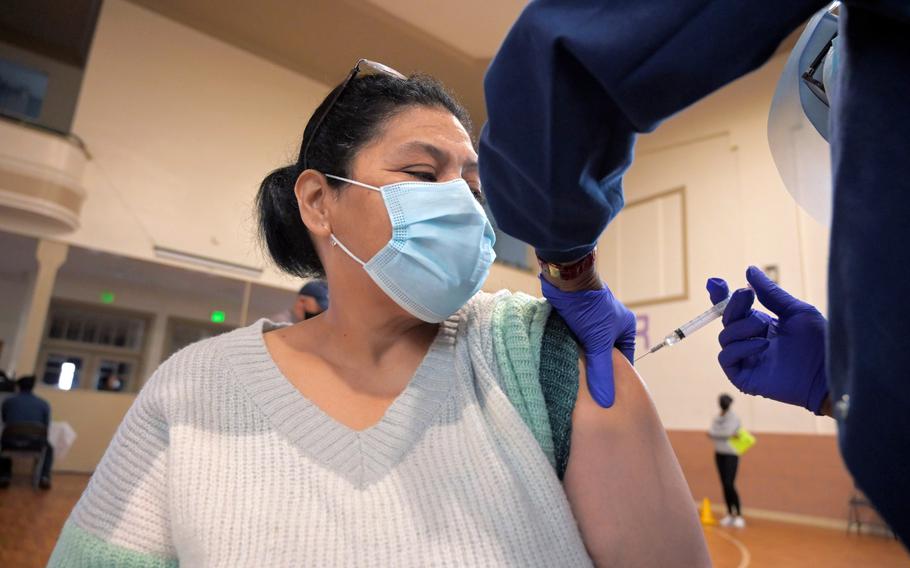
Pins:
x: 745, y: 558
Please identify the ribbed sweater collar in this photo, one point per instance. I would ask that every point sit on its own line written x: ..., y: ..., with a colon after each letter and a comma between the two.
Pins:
x: 362, y: 457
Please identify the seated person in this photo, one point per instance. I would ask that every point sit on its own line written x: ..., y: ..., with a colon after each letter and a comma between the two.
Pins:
x: 7, y: 387
x: 411, y: 424
x: 26, y: 407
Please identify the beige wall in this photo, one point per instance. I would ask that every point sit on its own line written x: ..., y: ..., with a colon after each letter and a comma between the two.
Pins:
x: 182, y: 128
x: 93, y: 415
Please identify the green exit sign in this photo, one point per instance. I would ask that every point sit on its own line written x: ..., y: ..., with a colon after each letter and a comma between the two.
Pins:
x: 218, y: 316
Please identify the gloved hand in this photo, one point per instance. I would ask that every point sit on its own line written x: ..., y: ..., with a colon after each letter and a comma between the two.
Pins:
x: 779, y: 358
x: 600, y: 322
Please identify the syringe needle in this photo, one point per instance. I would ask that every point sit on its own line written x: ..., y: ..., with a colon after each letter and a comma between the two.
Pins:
x: 643, y: 356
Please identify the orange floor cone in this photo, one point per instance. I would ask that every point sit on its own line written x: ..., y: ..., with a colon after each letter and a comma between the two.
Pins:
x: 707, y: 516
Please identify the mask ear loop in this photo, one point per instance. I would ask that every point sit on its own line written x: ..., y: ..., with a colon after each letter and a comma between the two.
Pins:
x: 346, y: 180
x: 336, y: 242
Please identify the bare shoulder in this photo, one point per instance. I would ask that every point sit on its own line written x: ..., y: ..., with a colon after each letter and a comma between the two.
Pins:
x: 623, y: 481
x: 632, y: 411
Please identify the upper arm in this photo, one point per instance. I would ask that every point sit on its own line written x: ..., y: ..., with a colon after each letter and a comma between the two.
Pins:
x: 626, y: 488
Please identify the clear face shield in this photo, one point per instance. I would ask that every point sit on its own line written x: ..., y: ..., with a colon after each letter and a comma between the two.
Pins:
x: 798, y: 120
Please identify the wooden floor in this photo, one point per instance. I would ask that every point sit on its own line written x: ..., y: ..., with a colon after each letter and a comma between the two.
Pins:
x: 30, y: 521
x: 767, y: 544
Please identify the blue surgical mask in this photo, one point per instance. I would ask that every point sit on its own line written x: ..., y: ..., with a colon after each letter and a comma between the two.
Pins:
x: 440, y: 251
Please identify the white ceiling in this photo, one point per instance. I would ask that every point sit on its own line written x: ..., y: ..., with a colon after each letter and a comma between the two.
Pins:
x: 474, y: 27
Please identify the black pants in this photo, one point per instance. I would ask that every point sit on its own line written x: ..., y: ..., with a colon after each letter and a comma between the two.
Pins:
x: 6, y: 465
x: 726, y: 467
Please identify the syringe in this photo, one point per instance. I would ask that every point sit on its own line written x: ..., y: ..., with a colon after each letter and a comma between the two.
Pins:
x: 690, y: 327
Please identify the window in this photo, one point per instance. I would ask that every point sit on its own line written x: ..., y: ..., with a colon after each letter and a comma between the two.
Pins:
x: 647, y: 247
x: 43, y: 53
x: 22, y: 90
x: 97, y: 328
x: 92, y: 348
x: 63, y: 371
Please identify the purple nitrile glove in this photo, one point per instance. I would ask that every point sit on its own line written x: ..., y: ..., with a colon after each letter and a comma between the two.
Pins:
x: 600, y: 322
x: 779, y: 358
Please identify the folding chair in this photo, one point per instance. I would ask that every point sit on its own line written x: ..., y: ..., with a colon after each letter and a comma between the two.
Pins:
x: 26, y: 440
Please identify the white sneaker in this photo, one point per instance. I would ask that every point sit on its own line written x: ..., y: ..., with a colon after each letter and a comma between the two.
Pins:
x: 727, y: 521
x: 739, y: 523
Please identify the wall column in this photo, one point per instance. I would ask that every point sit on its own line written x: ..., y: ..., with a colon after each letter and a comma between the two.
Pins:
x: 50, y: 256
x: 154, y: 347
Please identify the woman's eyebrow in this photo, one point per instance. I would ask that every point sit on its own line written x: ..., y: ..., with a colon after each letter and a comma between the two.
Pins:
x: 439, y: 155
x: 417, y: 146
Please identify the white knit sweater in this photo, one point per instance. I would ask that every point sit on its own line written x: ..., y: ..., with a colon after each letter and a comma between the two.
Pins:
x: 222, y: 462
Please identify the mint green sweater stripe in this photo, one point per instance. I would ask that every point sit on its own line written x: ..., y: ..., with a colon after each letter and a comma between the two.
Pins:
x: 537, y: 360
x: 77, y: 548
x: 518, y: 327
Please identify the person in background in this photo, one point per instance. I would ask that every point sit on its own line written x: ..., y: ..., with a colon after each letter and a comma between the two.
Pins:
x: 26, y: 407
x: 723, y: 427
x: 110, y: 382
x: 312, y: 300
x: 7, y: 386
